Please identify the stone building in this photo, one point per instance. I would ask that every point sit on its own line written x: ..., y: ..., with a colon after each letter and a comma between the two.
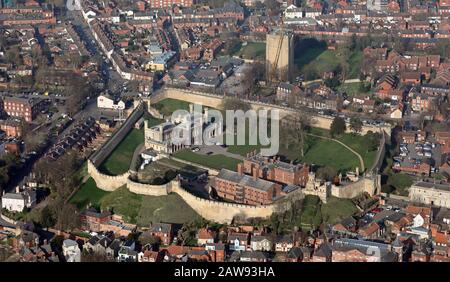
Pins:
x: 279, y: 56
x: 430, y: 194
x: 159, y: 137
x: 317, y: 187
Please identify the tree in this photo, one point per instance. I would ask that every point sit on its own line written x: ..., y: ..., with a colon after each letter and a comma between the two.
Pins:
x: 338, y: 127
x: 87, y: 256
x: 149, y: 240
x: 47, y: 218
x: 76, y: 91
x: 373, y: 140
x: 68, y: 218
x: 326, y: 173
x: 295, y: 133
x: 234, y: 104
x: 356, y: 124
x: 333, y: 82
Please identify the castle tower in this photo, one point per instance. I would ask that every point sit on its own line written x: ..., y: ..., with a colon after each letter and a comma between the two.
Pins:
x: 279, y: 47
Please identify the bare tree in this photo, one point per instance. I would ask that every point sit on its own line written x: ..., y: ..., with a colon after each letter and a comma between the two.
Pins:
x: 296, y: 130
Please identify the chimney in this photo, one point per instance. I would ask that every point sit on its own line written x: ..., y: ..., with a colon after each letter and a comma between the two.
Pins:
x: 255, y: 173
x: 240, y: 168
x: 17, y: 189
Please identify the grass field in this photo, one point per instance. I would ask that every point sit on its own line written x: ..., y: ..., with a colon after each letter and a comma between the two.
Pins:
x: 314, y: 212
x: 152, y: 121
x: 314, y: 55
x: 319, y: 59
x: 119, y: 160
x: 307, y: 51
x: 253, y: 50
x: 352, y: 89
x: 168, y: 106
x: 337, y: 209
x: 213, y: 161
x: 311, y: 214
x: 138, y: 209
x: 322, y: 152
x: 355, y: 63
x: 354, y: 141
x: 329, y: 153
x: 88, y: 194
x: 358, y: 143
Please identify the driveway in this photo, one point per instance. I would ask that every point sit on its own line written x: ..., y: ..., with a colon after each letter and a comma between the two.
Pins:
x: 217, y: 150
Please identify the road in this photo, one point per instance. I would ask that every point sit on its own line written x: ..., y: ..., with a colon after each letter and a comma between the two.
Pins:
x: 111, y: 78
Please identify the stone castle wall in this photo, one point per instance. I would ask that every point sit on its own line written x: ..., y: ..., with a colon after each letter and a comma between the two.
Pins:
x: 107, y: 182
x: 351, y: 190
x: 221, y: 212
x: 215, y: 101
x: 147, y: 189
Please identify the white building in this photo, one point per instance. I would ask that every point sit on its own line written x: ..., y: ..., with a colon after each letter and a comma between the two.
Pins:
x: 293, y: 12
x: 105, y: 102
x: 430, y: 194
x: 71, y: 251
x: 17, y: 202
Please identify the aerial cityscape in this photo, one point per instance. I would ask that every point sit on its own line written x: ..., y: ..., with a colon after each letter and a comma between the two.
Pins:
x: 224, y: 131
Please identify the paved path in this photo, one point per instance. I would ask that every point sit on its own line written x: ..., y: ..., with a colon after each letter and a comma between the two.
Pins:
x: 218, y: 150
x: 361, y: 161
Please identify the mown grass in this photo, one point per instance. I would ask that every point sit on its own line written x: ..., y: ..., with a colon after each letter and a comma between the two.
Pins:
x: 168, y: 106
x: 137, y: 209
x: 88, y: 194
x: 118, y: 162
x: 212, y: 161
x: 253, y: 50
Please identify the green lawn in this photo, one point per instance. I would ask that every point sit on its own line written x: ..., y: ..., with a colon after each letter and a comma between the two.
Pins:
x: 307, y: 52
x: 355, y: 63
x: 138, y: 209
x: 119, y: 160
x: 337, y: 209
x: 352, y: 89
x: 311, y: 214
x: 314, y: 212
x: 152, y: 121
x: 322, y: 152
x: 213, y: 161
x: 88, y: 194
x: 358, y: 143
x: 355, y: 141
x: 313, y: 55
x: 168, y: 106
x: 170, y: 208
x: 329, y: 153
x: 318, y: 59
x: 399, y: 182
x: 253, y: 50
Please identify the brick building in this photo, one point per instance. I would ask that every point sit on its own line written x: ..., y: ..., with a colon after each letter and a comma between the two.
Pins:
x: 12, y: 128
x: 275, y: 170
x: 241, y: 188
x: 156, y: 4
x: 91, y: 219
x: 164, y: 231
x: 24, y: 108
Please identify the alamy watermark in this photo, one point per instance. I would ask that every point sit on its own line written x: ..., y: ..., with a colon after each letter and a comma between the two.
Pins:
x: 198, y: 128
